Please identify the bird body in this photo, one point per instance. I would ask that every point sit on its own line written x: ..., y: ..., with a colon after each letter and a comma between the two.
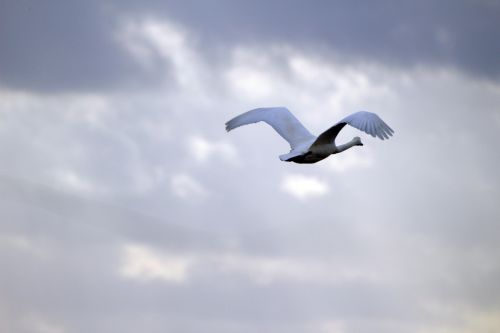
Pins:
x: 305, y: 147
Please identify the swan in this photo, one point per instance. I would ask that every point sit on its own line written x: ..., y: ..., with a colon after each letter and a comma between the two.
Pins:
x: 305, y: 147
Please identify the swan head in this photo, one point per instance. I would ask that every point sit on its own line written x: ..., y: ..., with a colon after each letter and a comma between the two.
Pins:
x: 357, y: 141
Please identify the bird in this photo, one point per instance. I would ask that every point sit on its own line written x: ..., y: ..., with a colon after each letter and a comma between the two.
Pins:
x: 306, y: 148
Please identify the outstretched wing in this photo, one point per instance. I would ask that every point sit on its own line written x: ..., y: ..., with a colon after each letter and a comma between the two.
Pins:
x: 280, y: 118
x: 367, y: 122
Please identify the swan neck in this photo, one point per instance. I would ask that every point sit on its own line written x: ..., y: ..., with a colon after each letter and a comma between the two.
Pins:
x: 345, y: 146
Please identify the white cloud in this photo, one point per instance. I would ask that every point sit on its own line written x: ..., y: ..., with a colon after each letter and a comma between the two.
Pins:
x: 148, y: 38
x: 143, y: 263
x: 184, y: 186
x: 39, y: 324
x: 266, y: 270
x: 349, y: 160
x: 471, y: 320
x: 304, y: 187
x: 70, y: 180
x: 22, y: 243
x: 202, y: 149
x: 331, y: 326
x: 250, y: 82
x: 343, y: 88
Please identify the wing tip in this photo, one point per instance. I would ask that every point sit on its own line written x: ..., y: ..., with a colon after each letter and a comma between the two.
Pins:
x: 229, y: 126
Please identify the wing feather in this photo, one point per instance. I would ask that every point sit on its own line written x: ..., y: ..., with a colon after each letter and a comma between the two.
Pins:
x: 367, y: 122
x: 373, y: 124
x: 372, y: 129
x: 279, y: 118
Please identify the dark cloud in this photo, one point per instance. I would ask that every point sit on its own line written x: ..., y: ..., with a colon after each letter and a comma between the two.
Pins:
x: 460, y: 34
x: 64, y: 45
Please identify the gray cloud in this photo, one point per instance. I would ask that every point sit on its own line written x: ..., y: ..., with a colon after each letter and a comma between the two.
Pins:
x: 63, y: 46
x: 73, y: 45
x: 127, y: 210
x: 460, y: 34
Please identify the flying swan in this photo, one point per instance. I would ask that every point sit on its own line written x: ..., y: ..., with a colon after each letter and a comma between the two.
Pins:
x: 305, y: 147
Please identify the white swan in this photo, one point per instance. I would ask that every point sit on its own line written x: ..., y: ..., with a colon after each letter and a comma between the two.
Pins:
x: 305, y: 147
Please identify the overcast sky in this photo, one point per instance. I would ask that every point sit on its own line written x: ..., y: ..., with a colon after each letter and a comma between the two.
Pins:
x: 126, y: 207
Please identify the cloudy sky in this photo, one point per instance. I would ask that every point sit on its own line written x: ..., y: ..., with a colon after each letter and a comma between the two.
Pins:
x: 126, y: 207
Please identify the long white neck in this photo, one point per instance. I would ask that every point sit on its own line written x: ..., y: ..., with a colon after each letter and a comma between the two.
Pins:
x: 354, y: 142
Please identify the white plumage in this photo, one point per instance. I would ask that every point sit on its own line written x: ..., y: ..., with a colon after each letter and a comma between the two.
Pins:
x: 305, y: 147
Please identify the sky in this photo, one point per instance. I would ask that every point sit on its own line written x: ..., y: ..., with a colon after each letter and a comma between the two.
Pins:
x: 125, y: 206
